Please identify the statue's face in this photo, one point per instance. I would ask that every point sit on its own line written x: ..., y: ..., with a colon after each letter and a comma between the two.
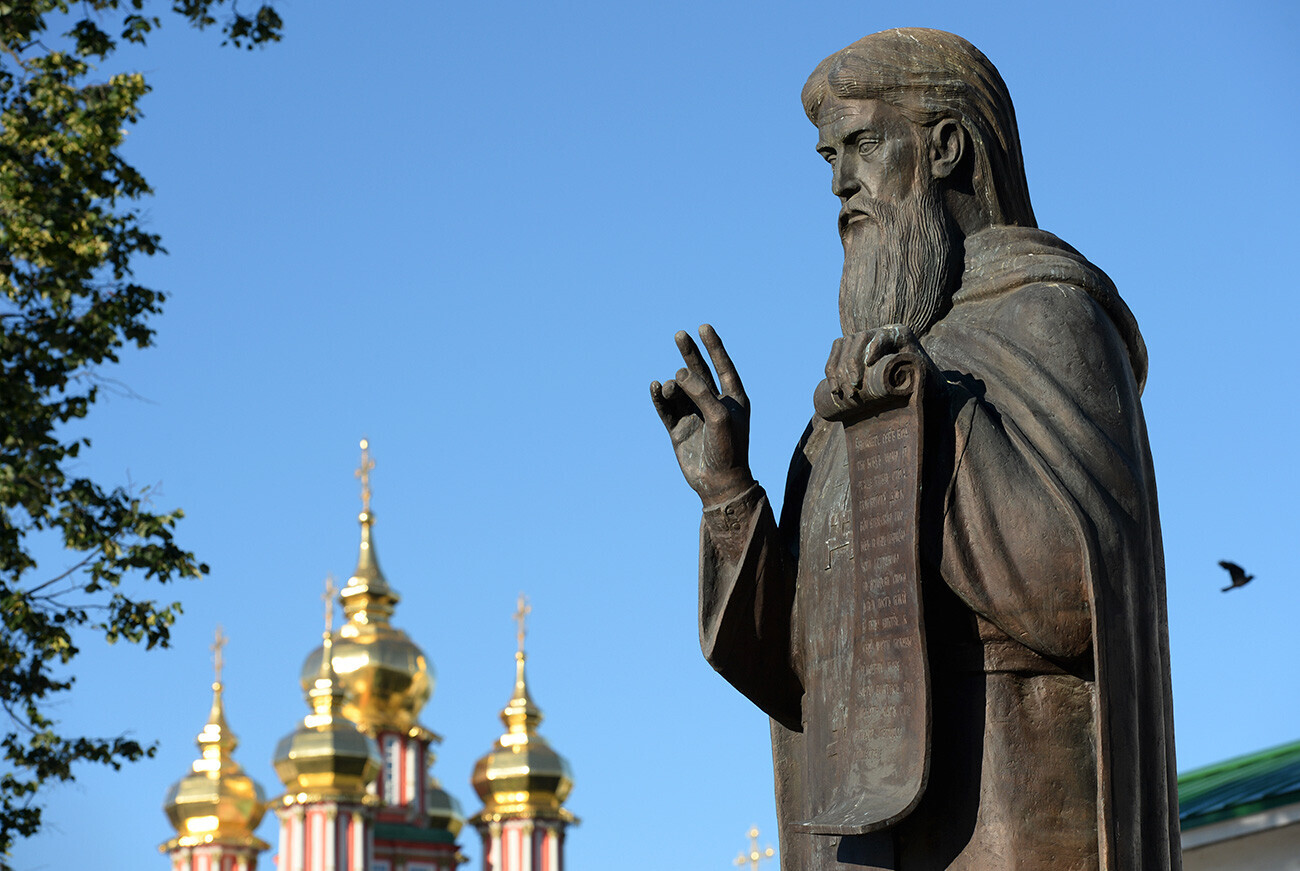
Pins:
x: 874, y: 153
x: 899, y: 266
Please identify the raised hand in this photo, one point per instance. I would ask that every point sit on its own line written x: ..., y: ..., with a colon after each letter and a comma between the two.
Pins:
x: 709, y: 427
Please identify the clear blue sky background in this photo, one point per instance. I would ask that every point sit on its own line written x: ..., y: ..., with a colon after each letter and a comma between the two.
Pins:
x: 469, y: 231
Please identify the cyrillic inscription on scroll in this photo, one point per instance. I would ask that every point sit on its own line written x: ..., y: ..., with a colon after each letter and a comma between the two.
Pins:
x: 868, y: 741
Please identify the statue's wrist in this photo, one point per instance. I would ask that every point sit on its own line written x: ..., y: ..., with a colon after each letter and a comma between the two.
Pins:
x: 726, y: 493
x: 733, y: 511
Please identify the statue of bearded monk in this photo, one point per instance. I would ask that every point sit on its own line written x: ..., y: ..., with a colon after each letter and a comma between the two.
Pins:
x: 1005, y: 703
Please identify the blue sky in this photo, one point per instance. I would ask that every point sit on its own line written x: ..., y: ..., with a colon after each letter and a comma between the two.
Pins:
x: 468, y: 233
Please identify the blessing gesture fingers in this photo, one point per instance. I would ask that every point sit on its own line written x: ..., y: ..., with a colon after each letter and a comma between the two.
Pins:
x: 709, y: 427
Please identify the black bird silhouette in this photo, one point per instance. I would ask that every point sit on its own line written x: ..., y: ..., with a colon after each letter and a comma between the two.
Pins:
x: 1238, y: 574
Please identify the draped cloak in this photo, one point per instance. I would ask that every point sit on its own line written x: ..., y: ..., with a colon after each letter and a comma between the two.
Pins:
x: 1042, y: 579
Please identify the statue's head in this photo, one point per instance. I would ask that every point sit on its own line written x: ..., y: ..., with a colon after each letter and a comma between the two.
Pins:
x: 919, y: 129
x: 929, y: 76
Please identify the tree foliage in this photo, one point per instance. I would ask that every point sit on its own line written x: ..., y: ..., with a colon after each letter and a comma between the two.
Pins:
x: 70, y: 229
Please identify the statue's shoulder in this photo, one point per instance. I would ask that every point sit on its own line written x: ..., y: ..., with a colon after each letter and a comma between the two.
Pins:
x: 1053, y: 327
x: 1028, y: 313
x: 1048, y: 303
x: 1034, y: 290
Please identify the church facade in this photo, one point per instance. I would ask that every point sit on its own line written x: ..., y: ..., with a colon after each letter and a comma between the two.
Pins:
x: 357, y: 790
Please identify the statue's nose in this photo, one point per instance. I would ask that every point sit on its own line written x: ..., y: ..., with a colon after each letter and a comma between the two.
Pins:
x: 844, y: 179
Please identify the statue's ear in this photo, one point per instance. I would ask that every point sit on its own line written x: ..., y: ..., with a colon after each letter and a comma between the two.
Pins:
x: 947, y: 147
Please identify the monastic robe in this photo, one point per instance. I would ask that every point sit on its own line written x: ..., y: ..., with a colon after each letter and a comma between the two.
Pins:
x: 1042, y: 579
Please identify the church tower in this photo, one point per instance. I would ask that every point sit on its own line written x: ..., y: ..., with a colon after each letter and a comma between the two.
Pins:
x: 216, y: 807
x: 327, y: 766
x: 523, y: 784
x: 387, y: 680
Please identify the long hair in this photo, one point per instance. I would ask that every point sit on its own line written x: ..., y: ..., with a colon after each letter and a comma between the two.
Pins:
x: 929, y: 75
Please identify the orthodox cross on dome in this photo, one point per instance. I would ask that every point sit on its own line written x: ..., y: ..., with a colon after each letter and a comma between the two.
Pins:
x: 754, y: 856
x: 522, y: 610
x: 363, y: 473
x: 328, y: 598
x: 218, y: 644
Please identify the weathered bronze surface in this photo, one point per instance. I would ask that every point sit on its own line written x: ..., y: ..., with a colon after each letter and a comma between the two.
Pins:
x: 958, y: 624
x: 859, y: 707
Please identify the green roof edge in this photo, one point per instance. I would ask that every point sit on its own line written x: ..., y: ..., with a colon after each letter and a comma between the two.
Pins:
x: 1198, y: 782
x: 1237, y: 762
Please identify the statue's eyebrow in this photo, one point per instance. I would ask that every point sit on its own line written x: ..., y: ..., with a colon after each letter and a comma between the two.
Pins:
x: 861, y: 129
x: 854, y: 127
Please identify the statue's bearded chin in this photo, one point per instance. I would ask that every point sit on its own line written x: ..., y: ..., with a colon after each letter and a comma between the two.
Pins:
x: 899, y: 266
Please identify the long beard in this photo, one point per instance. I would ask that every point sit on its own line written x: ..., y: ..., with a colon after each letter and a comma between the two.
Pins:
x: 898, y: 264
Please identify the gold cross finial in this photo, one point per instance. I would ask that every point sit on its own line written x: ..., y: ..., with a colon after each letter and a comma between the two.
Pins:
x: 522, y: 610
x: 363, y: 472
x: 328, y: 598
x: 218, y: 644
x: 754, y: 856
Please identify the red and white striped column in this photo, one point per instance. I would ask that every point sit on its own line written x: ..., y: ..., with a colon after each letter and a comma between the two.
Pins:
x: 402, y: 777
x: 325, y: 836
x: 523, y: 845
x: 214, y: 857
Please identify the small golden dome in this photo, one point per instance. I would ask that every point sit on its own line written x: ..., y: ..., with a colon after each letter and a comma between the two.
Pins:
x: 216, y: 802
x: 384, y: 674
x: 522, y: 777
x: 327, y: 757
x: 443, y: 808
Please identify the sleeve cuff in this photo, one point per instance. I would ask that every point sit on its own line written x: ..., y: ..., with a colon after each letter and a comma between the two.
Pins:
x: 736, y: 514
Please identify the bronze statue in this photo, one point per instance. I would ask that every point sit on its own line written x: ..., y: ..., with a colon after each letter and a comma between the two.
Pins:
x: 958, y: 625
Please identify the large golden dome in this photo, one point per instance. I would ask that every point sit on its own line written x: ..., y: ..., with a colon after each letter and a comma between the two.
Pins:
x: 384, y: 674
x: 327, y: 758
x: 216, y: 802
x: 522, y: 776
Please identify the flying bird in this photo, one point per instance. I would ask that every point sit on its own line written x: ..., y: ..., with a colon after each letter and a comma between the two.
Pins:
x: 1237, y: 573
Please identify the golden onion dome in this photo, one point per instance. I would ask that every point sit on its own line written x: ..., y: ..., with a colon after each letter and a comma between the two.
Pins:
x: 522, y: 776
x: 327, y: 758
x: 216, y: 802
x: 384, y: 674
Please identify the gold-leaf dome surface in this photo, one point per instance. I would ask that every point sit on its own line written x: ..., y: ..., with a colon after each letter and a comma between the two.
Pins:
x: 216, y: 802
x: 385, y: 676
x: 327, y: 757
x: 522, y: 776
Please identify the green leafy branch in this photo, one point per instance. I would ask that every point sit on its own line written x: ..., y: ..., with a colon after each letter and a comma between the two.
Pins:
x: 70, y: 230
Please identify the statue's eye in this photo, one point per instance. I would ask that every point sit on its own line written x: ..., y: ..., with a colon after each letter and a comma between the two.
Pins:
x: 867, y: 144
x: 828, y: 156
